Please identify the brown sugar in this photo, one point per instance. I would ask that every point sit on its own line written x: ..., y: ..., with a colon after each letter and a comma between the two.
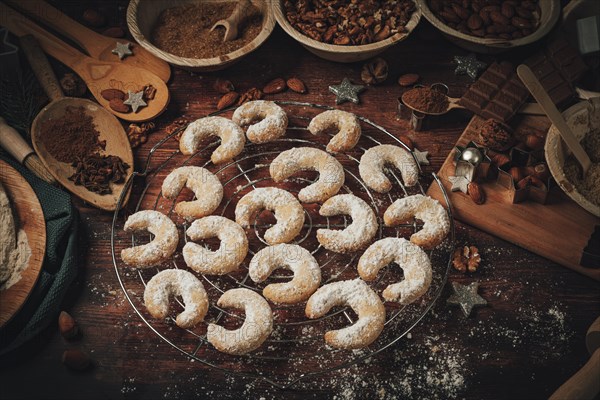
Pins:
x: 185, y: 31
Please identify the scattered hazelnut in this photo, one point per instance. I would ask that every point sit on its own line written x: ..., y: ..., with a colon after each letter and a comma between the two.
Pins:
x: 534, y: 142
x: 76, y: 359
x: 94, y: 18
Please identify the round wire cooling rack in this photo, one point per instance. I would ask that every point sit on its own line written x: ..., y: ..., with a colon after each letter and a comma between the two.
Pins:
x: 296, y: 349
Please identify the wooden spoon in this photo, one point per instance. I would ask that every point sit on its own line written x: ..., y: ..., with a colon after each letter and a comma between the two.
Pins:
x: 539, y: 93
x: 109, y: 127
x: 453, y: 103
x: 98, y: 46
x: 98, y: 75
x: 232, y: 23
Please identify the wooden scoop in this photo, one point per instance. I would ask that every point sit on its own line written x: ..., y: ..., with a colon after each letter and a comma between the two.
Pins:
x: 98, y: 46
x: 585, y: 384
x: 109, y: 127
x: 98, y: 75
x: 539, y: 93
x: 232, y: 23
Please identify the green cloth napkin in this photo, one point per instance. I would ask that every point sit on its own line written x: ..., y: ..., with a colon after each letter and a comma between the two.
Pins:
x: 59, y: 268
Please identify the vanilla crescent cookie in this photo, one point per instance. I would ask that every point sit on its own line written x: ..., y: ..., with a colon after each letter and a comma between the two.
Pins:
x: 176, y: 282
x: 373, y: 161
x: 346, y: 124
x: 267, y: 120
x: 231, y: 252
x: 410, y: 257
x: 205, y: 185
x: 435, y: 218
x: 287, y: 209
x: 307, y: 273
x: 231, y: 134
x: 365, y: 303
x: 160, y: 249
x: 356, y: 235
x: 254, y: 331
x: 331, y: 172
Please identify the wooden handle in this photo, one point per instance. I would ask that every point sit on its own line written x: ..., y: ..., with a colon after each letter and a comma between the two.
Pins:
x: 584, y: 385
x: 21, y: 26
x: 41, y: 67
x: 92, y: 42
x: 544, y: 100
x: 239, y: 13
x: 13, y: 142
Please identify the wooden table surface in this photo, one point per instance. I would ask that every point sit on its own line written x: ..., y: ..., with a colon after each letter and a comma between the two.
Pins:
x: 523, y: 345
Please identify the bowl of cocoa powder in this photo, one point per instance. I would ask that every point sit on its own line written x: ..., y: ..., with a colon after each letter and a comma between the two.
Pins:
x: 347, y: 31
x: 179, y: 31
x: 584, y: 120
x: 491, y: 26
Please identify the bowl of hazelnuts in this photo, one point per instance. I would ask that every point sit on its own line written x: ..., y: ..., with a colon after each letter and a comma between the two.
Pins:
x: 349, y: 31
x: 491, y: 26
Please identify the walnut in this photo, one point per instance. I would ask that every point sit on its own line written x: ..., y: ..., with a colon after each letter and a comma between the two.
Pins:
x: 173, y: 126
x: 466, y: 258
x: 251, y: 94
x: 138, y: 134
x: 495, y: 135
x: 374, y: 71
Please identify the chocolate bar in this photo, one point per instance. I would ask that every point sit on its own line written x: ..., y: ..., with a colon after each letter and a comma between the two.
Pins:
x: 557, y: 67
x: 497, y: 94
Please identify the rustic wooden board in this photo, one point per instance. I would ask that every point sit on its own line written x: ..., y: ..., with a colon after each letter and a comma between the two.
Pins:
x: 30, y: 218
x: 558, y: 230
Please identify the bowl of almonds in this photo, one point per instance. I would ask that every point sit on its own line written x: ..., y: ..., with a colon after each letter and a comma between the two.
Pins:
x: 491, y: 26
x: 347, y: 31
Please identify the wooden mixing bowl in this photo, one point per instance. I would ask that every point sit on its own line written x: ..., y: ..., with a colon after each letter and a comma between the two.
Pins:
x: 142, y: 15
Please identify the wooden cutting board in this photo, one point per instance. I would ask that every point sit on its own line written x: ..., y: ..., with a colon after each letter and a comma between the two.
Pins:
x: 29, y: 217
x: 558, y: 230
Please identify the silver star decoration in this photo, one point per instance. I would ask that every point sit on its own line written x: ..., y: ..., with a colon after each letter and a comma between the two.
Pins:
x: 459, y: 183
x: 421, y: 156
x: 469, y: 65
x: 346, y: 91
x: 466, y: 297
x: 135, y: 100
x: 122, y: 50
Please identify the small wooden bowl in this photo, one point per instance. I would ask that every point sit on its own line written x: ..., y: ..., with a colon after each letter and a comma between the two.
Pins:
x: 550, y: 11
x: 142, y: 14
x: 337, y: 53
x: 579, y: 117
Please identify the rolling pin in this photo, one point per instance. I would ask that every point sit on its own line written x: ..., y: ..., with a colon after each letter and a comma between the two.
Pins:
x: 585, y: 384
x: 16, y: 146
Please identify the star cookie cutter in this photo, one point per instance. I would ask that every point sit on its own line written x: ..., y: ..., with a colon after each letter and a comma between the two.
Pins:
x: 472, y: 161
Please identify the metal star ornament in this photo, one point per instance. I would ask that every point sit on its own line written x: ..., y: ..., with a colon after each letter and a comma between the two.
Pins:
x: 135, y: 100
x: 466, y: 297
x: 459, y: 183
x: 469, y: 65
x: 421, y: 156
x: 346, y: 91
x: 122, y: 50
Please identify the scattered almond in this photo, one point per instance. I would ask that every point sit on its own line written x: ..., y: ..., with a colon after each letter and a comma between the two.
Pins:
x: 67, y: 326
x: 516, y: 173
x: 223, y: 86
x: 500, y: 159
x: 476, y: 193
x: 114, y: 32
x: 227, y: 100
x: 540, y: 171
x: 275, y: 86
x: 118, y: 106
x: 408, y: 79
x: 296, y: 85
x: 530, y: 181
x: 534, y: 142
x: 109, y: 94
x: 76, y: 359
x: 94, y: 18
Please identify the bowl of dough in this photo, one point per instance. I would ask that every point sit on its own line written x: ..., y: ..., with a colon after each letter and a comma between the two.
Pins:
x: 584, y: 120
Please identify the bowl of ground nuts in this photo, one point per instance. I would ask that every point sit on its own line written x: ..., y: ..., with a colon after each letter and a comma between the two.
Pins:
x: 491, y: 26
x: 347, y: 31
